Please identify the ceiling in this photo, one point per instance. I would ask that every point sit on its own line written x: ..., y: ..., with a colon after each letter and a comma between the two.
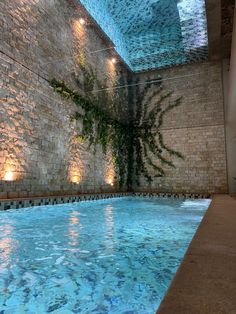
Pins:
x: 152, y: 34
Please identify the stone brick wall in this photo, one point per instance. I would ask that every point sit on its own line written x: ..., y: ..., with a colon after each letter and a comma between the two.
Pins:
x: 42, y: 39
x: 195, y: 128
x: 38, y: 151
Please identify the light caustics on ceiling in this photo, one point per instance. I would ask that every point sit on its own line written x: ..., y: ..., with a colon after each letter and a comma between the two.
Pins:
x: 152, y: 34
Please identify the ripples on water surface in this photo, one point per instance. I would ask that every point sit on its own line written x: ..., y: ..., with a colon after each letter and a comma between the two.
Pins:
x: 113, y: 256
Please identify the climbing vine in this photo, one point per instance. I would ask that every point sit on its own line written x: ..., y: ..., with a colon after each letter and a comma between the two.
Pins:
x: 136, y: 142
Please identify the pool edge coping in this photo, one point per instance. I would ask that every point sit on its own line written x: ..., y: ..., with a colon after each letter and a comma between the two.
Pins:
x: 205, y: 280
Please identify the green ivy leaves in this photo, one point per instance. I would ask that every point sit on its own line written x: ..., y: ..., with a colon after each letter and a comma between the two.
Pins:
x: 136, y: 144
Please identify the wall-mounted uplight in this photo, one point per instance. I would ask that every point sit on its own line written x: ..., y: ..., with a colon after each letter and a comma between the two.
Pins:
x: 12, y: 168
x: 110, y: 174
x: 82, y: 21
x: 110, y: 181
x: 76, y: 179
x: 9, y: 176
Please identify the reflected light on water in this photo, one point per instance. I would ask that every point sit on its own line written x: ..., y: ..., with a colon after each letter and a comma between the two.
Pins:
x: 110, y: 227
x: 7, y: 245
x: 74, y: 224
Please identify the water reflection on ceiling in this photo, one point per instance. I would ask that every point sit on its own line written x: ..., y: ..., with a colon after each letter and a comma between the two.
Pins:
x: 151, y: 34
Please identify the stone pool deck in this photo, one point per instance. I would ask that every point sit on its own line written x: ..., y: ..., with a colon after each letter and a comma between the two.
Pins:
x: 206, y: 280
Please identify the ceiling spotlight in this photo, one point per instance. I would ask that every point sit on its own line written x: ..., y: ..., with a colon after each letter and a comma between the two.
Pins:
x: 82, y: 21
x: 113, y: 60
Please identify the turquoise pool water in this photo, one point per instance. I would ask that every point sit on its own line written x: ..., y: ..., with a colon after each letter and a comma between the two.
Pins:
x: 115, y: 256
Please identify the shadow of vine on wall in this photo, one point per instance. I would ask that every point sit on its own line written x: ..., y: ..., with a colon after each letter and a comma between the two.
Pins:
x: 151, y: 107
x: 135, y: 141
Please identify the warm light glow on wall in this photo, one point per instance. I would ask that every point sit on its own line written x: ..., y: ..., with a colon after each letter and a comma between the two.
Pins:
x: 9, y: 170
x: 74, y: 172
x: 110, y: 172
x: 76, y: 179
x: 9, y: 176
x: 80, y: 39
x: 15, y: 132
x: 110, y: 181
x: 75, y: 165
x: 78, y: 28
x: 112, y: 69
x: 110, y: 177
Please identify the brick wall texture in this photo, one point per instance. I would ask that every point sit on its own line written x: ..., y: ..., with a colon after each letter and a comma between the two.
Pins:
x: 41, y: 40
x: 195, y: 129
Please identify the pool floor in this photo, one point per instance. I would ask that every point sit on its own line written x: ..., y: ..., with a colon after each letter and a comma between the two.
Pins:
x: 115, y: 256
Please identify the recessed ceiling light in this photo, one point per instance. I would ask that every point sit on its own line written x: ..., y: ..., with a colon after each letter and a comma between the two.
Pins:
x: 82, y: 21
x: 113, y: 60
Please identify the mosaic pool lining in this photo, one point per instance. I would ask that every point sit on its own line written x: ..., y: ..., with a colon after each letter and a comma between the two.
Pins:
x: 109, y: 256
x: 6, y: 204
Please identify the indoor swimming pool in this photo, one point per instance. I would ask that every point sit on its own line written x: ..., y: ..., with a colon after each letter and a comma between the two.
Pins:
x: 115, y: 256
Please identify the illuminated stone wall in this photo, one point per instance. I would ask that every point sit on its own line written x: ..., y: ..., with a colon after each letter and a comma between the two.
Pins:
x: 195, y: 129
x: 39, y: 154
